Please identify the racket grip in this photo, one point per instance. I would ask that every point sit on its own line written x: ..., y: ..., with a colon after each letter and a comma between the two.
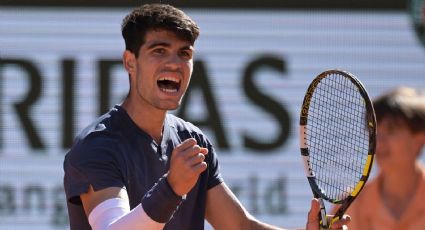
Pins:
x: 323, y: 219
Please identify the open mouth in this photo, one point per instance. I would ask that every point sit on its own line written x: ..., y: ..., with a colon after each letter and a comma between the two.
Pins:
x: 169, y: 85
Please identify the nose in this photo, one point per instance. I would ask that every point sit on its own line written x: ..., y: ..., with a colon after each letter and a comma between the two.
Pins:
x: 174, y: 62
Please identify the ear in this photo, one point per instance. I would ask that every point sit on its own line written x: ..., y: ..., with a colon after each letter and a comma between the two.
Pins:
x: 419, y: 142
x: 129, y: 61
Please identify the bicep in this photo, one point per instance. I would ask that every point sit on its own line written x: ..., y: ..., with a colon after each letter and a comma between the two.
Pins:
x: 93, y: 198
x: 221, y: 198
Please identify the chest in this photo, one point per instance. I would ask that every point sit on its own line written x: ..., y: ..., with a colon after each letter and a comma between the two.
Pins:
x: 143, y: 165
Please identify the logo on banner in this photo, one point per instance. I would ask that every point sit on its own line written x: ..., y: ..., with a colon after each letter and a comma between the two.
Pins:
x: 417, y: 12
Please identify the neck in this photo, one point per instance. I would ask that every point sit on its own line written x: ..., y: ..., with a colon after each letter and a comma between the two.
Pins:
x: 149, y: 119
x: 397, y: 189
x: 399, y: 183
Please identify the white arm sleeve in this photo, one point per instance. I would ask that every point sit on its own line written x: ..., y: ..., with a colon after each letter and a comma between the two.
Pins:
x: 115, y: 214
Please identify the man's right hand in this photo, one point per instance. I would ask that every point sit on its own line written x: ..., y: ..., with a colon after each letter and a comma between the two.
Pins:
x: 186, y: 164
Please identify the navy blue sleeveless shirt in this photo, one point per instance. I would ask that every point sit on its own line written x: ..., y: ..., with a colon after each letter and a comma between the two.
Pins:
x: 114, y: 152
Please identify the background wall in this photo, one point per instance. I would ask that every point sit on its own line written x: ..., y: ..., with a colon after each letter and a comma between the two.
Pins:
x: 60, y: 68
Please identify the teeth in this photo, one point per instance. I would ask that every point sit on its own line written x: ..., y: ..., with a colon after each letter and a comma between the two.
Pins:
x: 169, y: 79
x: 169, y: 90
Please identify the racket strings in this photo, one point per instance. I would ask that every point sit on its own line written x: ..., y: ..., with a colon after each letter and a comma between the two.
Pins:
x: 337, y: 136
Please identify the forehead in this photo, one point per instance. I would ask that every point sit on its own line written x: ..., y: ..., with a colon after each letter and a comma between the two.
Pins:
x: 165, y: 37
x: 392, y: 121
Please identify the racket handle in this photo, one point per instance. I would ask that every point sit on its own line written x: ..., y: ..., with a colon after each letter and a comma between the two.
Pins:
x: 323, y: 219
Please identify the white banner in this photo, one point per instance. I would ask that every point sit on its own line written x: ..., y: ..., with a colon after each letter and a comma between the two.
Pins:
x: 61, y: 67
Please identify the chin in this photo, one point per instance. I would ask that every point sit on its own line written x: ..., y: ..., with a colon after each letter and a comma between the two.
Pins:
x: 170, y: 106
x: 173, y: 108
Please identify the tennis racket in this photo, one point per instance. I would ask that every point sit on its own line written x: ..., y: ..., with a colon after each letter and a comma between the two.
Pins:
x: 337, y: 139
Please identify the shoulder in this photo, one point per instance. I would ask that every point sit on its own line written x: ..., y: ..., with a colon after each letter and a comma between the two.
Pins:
x: 102, y: 138
x: 106, y: 125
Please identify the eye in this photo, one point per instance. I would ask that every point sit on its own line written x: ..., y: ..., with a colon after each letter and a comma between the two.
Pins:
x: 159, y: 51
x: 185, y: 54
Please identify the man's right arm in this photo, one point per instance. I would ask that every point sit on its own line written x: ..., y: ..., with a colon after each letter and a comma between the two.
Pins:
x: 91, y: 199
x: 109, y: 209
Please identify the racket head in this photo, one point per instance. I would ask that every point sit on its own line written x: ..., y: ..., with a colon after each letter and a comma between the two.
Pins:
x: 337, y: 137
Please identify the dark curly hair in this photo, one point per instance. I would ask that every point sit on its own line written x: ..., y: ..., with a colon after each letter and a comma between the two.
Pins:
x: 156, y: 16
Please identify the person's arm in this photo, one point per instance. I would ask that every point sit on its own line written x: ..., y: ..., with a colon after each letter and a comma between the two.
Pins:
x: 109, y: 209
x: 235, y: 216
x: 91, y: 199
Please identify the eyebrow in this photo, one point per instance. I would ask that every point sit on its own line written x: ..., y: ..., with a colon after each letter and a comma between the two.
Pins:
x: 154, y: 44
x: 160, y: 43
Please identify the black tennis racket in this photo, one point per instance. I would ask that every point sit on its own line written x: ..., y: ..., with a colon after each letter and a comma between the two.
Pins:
x: 337, y: 139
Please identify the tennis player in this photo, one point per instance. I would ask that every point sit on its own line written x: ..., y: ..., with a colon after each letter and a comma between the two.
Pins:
x: 138, y: 167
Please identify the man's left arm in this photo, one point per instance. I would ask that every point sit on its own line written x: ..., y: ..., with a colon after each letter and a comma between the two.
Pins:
x: 224, y: 211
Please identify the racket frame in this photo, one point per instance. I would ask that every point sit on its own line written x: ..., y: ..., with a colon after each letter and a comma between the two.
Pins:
x: 371, y: 125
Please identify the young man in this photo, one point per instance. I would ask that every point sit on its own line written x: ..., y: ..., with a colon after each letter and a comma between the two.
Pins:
x: 393, y: 199
x: 138, y: 167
